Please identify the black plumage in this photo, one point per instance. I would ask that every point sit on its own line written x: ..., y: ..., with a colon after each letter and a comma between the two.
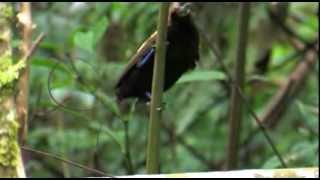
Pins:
x: 182, y: 52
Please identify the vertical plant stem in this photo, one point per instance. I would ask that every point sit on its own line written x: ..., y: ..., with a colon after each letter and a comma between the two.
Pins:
x: 127, y: 148
x: 128, y: 159
x: 62, y: 149
x: 23, y: 88
x: 235, y: 116
x: 153, y: 147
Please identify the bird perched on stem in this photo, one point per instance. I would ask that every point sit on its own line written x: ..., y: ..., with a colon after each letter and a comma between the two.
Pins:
x: 182, y: 53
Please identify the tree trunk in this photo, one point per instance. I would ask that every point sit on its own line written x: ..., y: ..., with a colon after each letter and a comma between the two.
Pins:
x: 10, y: 157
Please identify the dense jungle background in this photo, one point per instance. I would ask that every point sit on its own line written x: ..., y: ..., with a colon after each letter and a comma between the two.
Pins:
x: 73, y: 113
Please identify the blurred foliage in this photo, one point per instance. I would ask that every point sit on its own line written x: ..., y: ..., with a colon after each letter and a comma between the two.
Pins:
x: 85, y: 51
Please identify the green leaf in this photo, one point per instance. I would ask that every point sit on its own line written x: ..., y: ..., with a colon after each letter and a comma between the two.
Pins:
x: 307, y: 113
x: 272, y: 163
x: 120, y: 11
x: 302, y: 154
x: 48, y: 63
x: 98, y: 29
x: 201, y: 75
x: 66, y: 139
x: 85, y: 40
x: 88, y: 40
x: 50, y: 46
x: 115, y: 136
x: 280, y: 53
x: 107, y: 102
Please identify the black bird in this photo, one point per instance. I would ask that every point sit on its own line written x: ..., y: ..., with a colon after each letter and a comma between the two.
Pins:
x: 181, y: 55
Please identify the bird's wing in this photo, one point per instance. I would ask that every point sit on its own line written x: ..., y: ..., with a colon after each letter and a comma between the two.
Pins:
x: 143, y: 49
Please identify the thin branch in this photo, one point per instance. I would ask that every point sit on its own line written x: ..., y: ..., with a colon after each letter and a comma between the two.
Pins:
x: 34, y: 46
x: 213, y: 48
x: 294, y: 55
x: 235, y: 104
x: 197, y: 154
x: 61, y: 104
x: 279, y: 103
x: 98, y: 172
x: 298, y: 42
x: 127, y: 153
x: 127, y: 148
x: 262, y: 128
x: 48, y: 166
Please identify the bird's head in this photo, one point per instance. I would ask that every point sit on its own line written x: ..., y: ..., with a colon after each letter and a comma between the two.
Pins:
x: 180, y: 12
x: 184, y: 10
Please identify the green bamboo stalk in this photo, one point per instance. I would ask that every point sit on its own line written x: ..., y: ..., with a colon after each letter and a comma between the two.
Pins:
x: 127, y: 153
x: 153, y: 147
x: 235, y: 103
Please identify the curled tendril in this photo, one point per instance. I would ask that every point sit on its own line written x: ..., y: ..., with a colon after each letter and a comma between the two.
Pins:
x: 78, y: 79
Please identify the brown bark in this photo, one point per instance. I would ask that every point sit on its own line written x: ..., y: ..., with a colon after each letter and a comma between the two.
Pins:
x: 22, y: 98
x: 235, y: 115
x: 280, y: 102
